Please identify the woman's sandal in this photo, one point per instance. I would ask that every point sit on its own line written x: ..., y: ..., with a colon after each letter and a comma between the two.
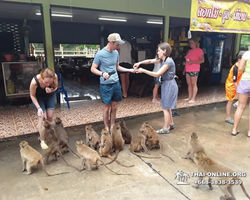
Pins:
x: 235, y: 133
x: 235, y: 105
x: 163, y: 131
x: 172, y: 126
x: 230, y: 121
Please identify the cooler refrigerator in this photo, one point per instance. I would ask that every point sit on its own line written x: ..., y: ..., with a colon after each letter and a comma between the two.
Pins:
x: 213, y: 44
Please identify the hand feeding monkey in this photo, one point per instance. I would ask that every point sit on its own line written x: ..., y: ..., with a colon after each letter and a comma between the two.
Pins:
x: 153, y: 138
x: 193, y: 147
x: 31, y: 159
x: 90, y: 157
x: 206, y: 164
x: 92, y: 138
x: 106, y: 146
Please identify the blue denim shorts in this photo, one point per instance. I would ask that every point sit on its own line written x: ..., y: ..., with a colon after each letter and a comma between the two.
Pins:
x: 111, y: 92
x: 46, y: 103
x: 157, y: 82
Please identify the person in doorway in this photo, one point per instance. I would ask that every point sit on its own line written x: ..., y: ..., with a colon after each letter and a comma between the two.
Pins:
x: 42, y: 88
x: 194, y: 58
x: 243, y: 90
x: 232, y: 82
x: 169, y: 88
x: 107, y: 60
x: 156, y: 98
x: 126, y: 62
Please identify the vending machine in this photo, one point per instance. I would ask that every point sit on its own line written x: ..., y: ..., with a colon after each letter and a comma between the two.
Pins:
x: 213, y: 44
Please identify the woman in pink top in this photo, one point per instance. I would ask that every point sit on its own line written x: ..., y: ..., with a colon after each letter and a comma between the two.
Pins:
x: 194, y: 58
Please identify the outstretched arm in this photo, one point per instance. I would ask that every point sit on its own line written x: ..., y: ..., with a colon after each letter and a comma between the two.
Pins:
x: 154, y: 74
x: 123, y: 69
x: 146, y: 62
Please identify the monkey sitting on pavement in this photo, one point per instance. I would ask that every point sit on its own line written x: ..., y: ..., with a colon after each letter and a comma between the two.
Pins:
x: 106, y: 147
x: 126, y: 135
x: 117, y: 140
x: 206, y: 164
x: 193, y: 147
x: 92, y: 138
x: 90, y: 157
x: 31, y: 159
x: 61, y: 135
x: 48, y: 135
x: 152, y: 138
x: 138, y: 143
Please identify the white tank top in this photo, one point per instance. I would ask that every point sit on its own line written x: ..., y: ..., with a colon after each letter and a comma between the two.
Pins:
x: 125, y: 52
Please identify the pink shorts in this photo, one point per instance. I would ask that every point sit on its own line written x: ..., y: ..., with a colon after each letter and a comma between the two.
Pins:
x: 244, y: 87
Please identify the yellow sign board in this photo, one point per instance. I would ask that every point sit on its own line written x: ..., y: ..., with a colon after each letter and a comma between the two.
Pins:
x: 226, y: 16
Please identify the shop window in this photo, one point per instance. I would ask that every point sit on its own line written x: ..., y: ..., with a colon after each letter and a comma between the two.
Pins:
x: 245, y: 42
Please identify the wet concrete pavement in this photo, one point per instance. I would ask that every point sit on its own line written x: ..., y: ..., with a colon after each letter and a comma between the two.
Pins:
x: 149, y: 179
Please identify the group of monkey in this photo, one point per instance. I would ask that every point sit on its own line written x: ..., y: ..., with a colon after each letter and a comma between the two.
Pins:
x: 95, y: 147
x: 56, y: 138
x: 205, y: 164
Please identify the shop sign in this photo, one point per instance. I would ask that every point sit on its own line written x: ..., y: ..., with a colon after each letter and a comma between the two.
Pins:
x: 225, y: 16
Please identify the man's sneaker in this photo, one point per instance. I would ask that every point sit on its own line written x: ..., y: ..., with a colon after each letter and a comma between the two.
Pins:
x: 43, y: 145
x: 172, y: 126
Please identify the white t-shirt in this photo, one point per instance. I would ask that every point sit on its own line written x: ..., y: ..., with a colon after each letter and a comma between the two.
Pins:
x: 125, y: 52
x: 246, y: 73
x: 157, y: 66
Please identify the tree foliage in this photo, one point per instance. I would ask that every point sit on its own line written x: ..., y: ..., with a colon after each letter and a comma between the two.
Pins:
x: 244, y: 42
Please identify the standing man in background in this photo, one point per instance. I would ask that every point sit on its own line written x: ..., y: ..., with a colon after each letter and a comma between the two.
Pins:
x: 126, y: 62
x: 107, y: 60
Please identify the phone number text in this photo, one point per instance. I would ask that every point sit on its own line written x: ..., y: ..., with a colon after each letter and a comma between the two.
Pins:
x: 218, y: 182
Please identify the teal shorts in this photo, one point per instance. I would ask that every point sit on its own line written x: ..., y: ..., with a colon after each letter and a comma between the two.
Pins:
x: 111, y: 92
